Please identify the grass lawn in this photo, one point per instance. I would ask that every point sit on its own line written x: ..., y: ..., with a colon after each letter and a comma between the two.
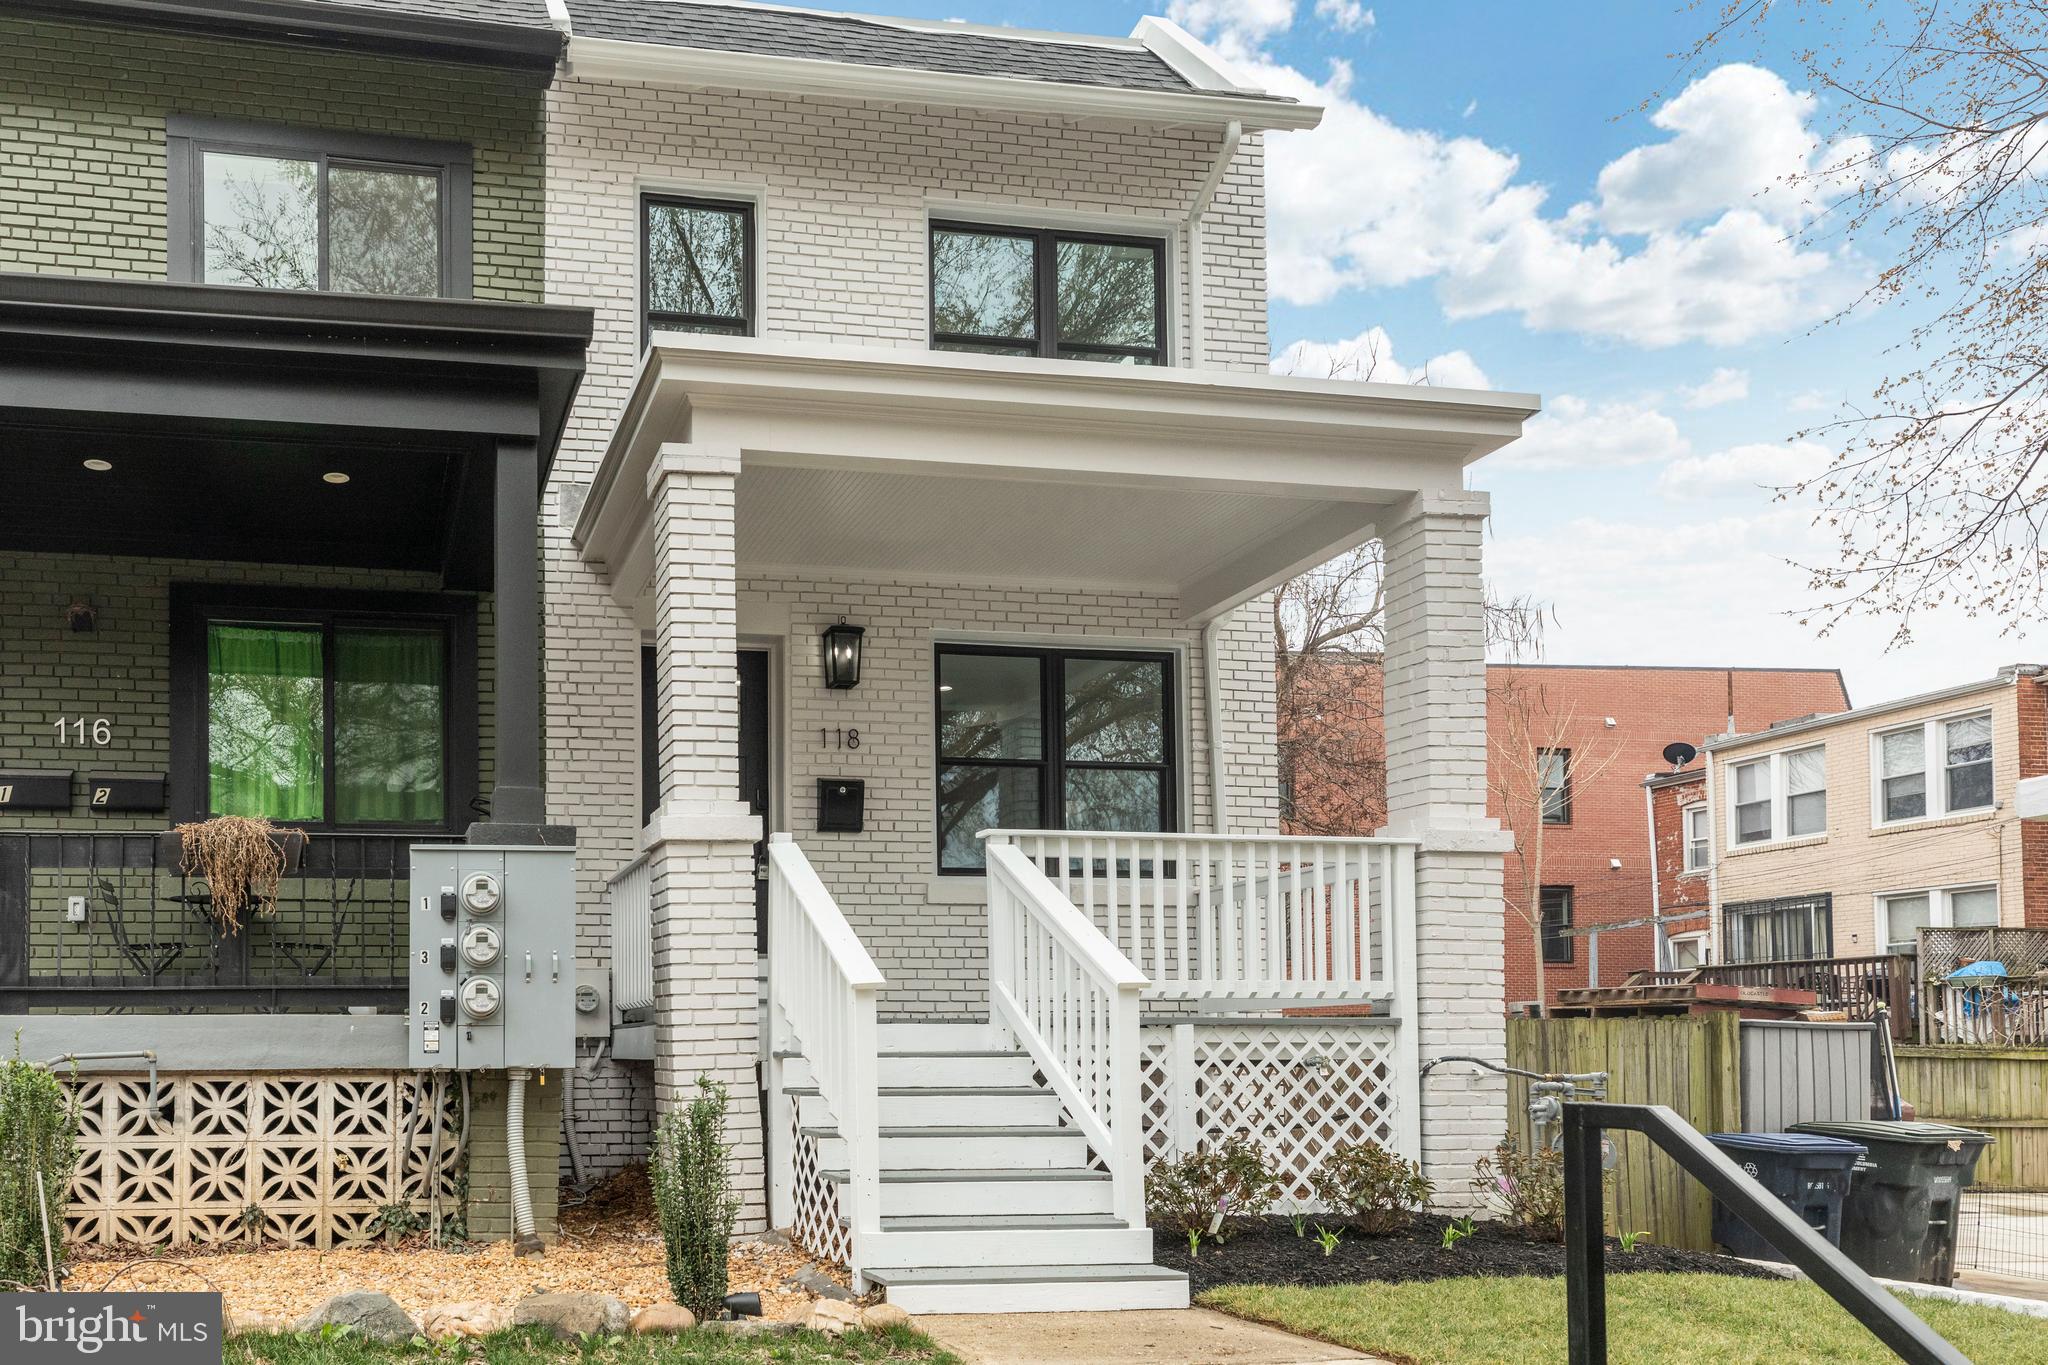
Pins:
x: 896, y: 1346
x: 1671, y: 1319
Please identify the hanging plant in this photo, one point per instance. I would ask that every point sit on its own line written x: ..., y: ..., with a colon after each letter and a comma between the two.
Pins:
x: 242, y: 860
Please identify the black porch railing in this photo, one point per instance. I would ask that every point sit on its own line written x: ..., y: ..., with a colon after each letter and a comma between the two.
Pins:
x: 93, y: 922
x: 1585, y: 1220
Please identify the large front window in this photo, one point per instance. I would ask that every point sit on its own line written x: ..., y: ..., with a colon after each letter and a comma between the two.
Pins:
x: 1051, y: 739
x: 1067, y: 295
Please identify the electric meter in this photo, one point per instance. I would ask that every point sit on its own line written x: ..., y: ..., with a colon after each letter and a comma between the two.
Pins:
x: 480, y: 893
x: 480, y: 997
x: 481, y: 946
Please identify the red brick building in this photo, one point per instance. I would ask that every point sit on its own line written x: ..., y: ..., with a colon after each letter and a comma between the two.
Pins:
x: 1681, y: 849
x: 1597, y: 731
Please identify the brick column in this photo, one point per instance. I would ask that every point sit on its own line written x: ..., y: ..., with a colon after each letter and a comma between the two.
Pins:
x: 707, y: 1010
x: 1436, y: 793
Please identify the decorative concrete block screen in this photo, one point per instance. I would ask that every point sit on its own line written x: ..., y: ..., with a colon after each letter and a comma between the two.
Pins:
x: 305, y: 1160
x: 1297, y: 1087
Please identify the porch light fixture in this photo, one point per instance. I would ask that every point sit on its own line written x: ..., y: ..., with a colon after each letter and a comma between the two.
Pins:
x: 842, y: 656
x: 334, y: 476
x: 98, y: 466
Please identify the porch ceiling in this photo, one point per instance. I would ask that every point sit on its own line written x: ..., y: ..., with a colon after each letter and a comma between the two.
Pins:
x: 1207, y: 486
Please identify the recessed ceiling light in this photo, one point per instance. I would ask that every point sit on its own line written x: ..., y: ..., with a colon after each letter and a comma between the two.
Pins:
x: 945, y: 687
x: 99, y: 466
x: 335, y: 476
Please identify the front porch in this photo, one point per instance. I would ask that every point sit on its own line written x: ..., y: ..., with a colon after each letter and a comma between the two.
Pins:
x: 1046, y: 808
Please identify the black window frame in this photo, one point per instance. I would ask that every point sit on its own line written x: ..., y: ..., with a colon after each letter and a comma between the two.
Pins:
x: 1819, y: 908
x: 187, y: 139
x: 194, y: 607
x: 1559, y: 949
x: 1052, y: 765
x: 1045, y: 294
x: 701, y: 324
x: 1560, y: 812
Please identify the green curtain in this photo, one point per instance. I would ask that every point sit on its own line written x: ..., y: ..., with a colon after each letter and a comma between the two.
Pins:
x: 266, y: 730
x: 389, y: 722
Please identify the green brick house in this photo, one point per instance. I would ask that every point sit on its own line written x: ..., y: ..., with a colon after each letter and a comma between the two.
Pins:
x: 278, y: 397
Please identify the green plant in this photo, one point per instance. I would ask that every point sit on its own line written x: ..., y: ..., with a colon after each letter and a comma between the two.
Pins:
x: 1194, y: 1243
x: 1375, y: 1189
x: 1527, y: 1187
x: 1457, y: 1230
x: 1327, y: 1238
x: 331, y: 1332
x: 591, y: 1344
x: 254, y: 1222
x: 38, y: 1153
x: 1629, y: 1240
x: 398, y: 1221
x: 691, y: 1171
x: 1300, y: 1221
x: 1202, y: 1191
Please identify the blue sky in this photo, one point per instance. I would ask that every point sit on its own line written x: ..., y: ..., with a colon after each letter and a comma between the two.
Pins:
x: 1536, y: 197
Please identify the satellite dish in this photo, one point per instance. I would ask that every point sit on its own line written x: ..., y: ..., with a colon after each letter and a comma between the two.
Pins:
x: 1678, y: 753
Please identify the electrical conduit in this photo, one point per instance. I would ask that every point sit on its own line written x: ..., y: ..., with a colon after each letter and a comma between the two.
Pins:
x: 524, y: 1242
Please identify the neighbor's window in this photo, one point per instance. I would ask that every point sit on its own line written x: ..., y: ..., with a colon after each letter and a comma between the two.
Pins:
x: 1787, y: 792
x: 1791, y: 928
x: 697, y: 265
x: 284, y: 208
x: 1051, y: 739
x: 1806, y: 791
x: 1696, y: 855
x: 1068, y: 295
x: 1688, y: 951
x: 1556, y: 907
x: 1753, y: 802
x: 1963, y: 744
x: 1901, y: 917
x: 327, y: 723
x: 1554, y: 785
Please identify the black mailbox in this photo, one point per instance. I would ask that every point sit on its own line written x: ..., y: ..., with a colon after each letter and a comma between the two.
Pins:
x: 107, y: 792
x: 25, y: 789
x: 840, y: 803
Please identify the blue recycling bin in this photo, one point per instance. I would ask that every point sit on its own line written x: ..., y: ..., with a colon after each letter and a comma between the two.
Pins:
x: 1809, y: 1174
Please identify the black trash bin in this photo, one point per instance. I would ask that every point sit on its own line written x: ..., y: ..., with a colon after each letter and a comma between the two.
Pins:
x: 1808, y: 1173
x: 1900, y: 1219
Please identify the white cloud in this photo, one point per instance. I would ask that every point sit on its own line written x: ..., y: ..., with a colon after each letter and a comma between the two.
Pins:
x: 1471, y: 108
x: 1369, y: 357
x: 1744, y: 470
x: 1571, y: 433
x: 1346, y: 16
x: 1724, y: 385
x: 1237, y: 25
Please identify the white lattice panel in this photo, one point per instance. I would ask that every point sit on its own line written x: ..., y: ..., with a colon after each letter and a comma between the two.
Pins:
x: 310, y: 1158
x: 819, y: 1227
x: 1296, y: 1089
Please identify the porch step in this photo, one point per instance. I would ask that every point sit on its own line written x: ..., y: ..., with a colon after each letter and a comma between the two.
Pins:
x: 986, y: 1148
x: 935, y: 1067
x: 949, y: 1106
x: 975, y: 1222
x: 946, y: 1035
x: 1033, y: 1288
x: 993, y: 1193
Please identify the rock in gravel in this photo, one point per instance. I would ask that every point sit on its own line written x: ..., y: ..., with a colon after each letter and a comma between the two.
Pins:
x: 773, y: 1237
x: 242, y: 1324
x: 878, y: 1316
x: 832, y: 1317
x: 664, y: 1317
x: 821, y: 1284
x: 570, y: 1316
x: 470, y: 1318
x: 371, y: 1314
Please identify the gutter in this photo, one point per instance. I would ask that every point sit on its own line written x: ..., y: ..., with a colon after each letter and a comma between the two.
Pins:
x: 1198, y: 331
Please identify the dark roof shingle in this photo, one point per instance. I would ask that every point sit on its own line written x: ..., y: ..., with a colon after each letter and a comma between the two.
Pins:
x: 517, y: 13
x: 867, y: 42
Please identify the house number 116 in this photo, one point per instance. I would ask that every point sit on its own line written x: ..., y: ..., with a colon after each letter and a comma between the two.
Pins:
x: 76, y: 729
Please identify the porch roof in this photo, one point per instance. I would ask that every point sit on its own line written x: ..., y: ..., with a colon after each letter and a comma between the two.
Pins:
x: 1208, y: 486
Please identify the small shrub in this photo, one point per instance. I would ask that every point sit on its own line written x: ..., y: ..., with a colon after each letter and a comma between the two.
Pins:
x: 1457, y: 1231
x: 691, y: 1171
x: 1201, y: 1192
x: 38, y: 1135
x: 1527, y: 1188
x: 1373, y: 1188
x: 1327, y: 1239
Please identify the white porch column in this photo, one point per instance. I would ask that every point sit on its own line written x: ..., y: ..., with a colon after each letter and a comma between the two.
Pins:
x: 1436, y: 792
x: 707, y: 1011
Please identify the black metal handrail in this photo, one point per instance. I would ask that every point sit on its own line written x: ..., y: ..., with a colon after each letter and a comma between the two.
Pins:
x: 1585, y: 1259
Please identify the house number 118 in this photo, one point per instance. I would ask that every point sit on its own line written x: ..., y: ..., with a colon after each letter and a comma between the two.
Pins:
x: 76, y: 729
x: 838, y: 739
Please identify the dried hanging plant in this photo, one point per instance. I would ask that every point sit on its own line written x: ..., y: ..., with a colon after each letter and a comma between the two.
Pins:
x: 242, y: 860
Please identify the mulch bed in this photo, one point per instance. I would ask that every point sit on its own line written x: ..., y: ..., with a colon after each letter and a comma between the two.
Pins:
x: 1268, y: 1252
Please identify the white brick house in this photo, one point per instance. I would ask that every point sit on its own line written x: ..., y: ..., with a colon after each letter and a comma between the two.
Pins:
x: 848, y: 277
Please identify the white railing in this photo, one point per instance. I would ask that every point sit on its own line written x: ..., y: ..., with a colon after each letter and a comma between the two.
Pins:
x: 631, y: 899
x: 1264, y: 917
x: 821, y: 989
x: 1072, y: 1000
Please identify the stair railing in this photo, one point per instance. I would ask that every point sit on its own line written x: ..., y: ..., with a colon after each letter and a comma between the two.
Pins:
x: 822, y: 988
x: 1072, y: 999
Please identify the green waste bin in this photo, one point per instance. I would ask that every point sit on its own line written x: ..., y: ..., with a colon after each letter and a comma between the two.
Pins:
x: 1899, y: 1221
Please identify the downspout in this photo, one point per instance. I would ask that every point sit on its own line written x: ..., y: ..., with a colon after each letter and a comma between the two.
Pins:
x: 1233, y: 134
x: 1660, y: 933
x: 1219, y: 765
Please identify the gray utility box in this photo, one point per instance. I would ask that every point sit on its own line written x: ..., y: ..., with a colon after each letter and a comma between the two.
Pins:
x: 493, y: 957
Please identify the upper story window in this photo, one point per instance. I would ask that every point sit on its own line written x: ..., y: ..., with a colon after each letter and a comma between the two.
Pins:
x: 1554, y: 785
x: 1696, y: 854
x: 1066, y: 295
x: 1555, y: 905
x: 1960, y: 781
x: 697, y: 265
x: 1781, y: 796
x: 1051, y: 739
x: 290, y: 208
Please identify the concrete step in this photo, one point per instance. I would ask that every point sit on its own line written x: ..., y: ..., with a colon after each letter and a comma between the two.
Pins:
x: 1038, y: 1147
x: 993, y: 1193
x: 944, y: 1107
x: 1032, y: 1288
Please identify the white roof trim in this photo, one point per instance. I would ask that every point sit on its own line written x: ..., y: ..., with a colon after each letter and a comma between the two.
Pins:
x: 1198, y: 64
x: 2004, y: 678
x: 612, y: 59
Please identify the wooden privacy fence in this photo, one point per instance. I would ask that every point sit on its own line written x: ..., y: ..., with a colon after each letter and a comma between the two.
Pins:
x: 1691, y: 1063
x: 2002, y: 1091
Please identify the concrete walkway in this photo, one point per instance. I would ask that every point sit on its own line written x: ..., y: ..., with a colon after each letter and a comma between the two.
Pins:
x: 1192, y: 1336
